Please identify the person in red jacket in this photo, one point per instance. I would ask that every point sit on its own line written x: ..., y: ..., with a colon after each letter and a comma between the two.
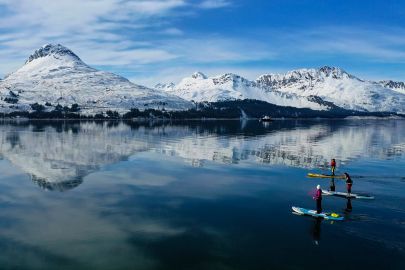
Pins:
x: 333, y: 165
x: 318, y: 199
x: 349, y: 183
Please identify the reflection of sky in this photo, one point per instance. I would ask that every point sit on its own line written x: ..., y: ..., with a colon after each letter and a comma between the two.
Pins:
x: 214, y: 195
x: 157, y: 212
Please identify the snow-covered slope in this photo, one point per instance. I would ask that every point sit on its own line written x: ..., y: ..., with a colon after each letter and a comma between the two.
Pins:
x: 337, y: 86
x: 230, y: 86
x: 396, y: 86
x: 297, y: 88
x: 55, y: 75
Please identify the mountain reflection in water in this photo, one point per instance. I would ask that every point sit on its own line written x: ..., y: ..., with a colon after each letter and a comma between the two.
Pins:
x: 199, y: 195
x: 58, y: 155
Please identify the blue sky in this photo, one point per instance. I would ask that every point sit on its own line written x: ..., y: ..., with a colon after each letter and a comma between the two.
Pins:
x: 164, y: 40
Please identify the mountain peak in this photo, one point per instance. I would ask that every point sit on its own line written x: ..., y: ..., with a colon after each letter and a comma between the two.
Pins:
x: 393, y: 85
x: 335, y: 72
x: 199, y: 75
x: 52, y: 49
x: 165, y: 86
x: 329, y: 69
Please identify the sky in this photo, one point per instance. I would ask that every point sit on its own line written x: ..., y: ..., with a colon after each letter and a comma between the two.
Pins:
x: 154, y: 41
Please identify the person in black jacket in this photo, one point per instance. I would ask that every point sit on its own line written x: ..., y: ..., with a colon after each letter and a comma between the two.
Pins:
x: 349, y: 183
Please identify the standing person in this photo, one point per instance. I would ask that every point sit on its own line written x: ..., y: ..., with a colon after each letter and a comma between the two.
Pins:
x: 349, y: 183
x: 318, y: 199
x: 333, y: 165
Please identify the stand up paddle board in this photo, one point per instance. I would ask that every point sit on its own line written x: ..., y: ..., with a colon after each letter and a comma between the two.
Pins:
x: 327, y: 216
x: 346, y: 195
x: 317, y: 175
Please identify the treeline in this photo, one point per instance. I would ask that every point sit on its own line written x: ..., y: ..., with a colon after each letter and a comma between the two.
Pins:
x: 215, y: 110
x: 251, y: 109
x: 40, y: 111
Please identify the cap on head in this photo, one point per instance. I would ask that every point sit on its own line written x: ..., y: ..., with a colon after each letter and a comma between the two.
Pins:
x: 318, y: 187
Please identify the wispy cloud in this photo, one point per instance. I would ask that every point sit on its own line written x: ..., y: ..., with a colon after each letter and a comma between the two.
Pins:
x: 154, y: 6
x: 108, y: 33
x: 118, y: 27
x: 173, y: 31
x: 150, y: 38
x: 210, y: 4
x: 214, y: 49
x: 379, y: 45
x: 285, y: 50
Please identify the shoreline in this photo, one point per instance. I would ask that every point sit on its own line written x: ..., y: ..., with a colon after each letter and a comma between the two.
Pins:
x: 351, y: 118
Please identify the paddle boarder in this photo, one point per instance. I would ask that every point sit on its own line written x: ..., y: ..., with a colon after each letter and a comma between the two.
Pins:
x: 318, y: 199
x: 333, y: 165
x: 349, y: 183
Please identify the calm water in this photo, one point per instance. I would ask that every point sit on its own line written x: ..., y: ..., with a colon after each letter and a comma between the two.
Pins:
x: 198, y: 195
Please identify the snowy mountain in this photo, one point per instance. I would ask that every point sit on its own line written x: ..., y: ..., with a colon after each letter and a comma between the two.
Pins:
x: 230, y: 86
x: 55, y: 75
x: 337, y: 86
x: 303, y: 88
x: 396, y: 86
x: 165, y: 86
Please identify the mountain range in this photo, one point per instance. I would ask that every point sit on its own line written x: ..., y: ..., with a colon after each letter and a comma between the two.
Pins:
x: 54, y: 75
x: 304, y: 88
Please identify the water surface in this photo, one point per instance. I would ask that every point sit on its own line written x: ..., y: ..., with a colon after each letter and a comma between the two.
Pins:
x: 198, y: 195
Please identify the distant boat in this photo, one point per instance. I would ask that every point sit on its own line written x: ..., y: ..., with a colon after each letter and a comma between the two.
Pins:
x: 266, y: 119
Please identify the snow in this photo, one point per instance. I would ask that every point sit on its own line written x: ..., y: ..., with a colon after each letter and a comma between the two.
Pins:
x: 337, y: 86
x: 54, y: 74
x: 296, y: 88
x: 199, y: 75
x: 199, y: 88
x: 395, y: 86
